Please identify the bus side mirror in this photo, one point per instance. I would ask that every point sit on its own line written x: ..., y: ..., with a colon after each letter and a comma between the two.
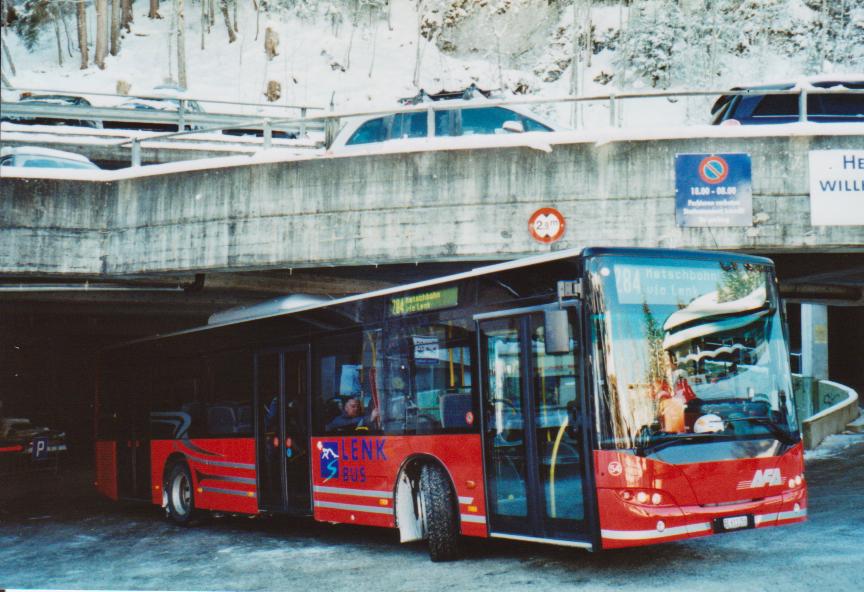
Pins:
x: 556, y: 328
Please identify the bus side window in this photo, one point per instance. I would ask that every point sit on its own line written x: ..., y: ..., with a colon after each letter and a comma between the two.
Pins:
x: 396, y: 382
x: 344, y: 363
x: 431, y: 365
x: 417, y: 376
x: 175, y: 411
x: 229, y: 404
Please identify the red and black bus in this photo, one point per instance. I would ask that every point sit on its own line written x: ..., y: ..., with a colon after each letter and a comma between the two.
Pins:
x: 594, y: 398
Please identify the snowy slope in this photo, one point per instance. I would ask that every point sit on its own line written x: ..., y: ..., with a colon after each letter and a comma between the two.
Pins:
x: 315, y: 66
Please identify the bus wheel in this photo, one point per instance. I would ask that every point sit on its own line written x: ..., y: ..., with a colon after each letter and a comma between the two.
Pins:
x: 439, y: 513
x: 181, y: 499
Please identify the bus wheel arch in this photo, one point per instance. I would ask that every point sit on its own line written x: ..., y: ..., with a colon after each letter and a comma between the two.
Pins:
x: 427, y: 507
x: 178, y: 491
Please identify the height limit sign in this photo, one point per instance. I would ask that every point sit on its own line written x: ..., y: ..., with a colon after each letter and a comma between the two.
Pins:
x: 713, y: 190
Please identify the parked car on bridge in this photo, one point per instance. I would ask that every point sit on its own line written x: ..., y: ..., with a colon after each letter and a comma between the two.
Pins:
x: 45, y: 158
x: 448, y: 121
x: 838, y: 106
x: 54, y: 100
x: 166, y: 98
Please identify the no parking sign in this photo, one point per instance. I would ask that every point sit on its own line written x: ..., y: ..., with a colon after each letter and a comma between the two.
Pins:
x: 713, y: 190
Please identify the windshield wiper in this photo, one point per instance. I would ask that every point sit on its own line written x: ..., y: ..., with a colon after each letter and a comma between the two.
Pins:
x: 647, y: 446
x: 776, y: 431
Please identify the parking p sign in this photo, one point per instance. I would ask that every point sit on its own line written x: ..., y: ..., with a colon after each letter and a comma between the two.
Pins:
x: 713, y: 190
x: 40, y: 448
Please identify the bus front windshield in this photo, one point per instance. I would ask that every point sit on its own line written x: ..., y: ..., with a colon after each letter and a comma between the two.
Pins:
x: 690, y: 351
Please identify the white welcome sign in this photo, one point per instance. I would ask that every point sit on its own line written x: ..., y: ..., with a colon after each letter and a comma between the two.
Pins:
x: 837, y: 187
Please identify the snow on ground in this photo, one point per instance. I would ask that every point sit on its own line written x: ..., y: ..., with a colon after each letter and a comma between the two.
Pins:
x: 834, y: 445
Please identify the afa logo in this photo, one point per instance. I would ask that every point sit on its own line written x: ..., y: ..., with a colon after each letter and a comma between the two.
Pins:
x: 768, y: 477
x: 329, y: 460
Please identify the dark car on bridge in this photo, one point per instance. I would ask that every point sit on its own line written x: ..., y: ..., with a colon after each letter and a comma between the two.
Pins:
x: 155, y: 104
x: 842, y: 103
x: 60, y: 102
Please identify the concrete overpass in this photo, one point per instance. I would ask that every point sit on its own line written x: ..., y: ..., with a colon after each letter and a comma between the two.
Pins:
x: 467, y: 203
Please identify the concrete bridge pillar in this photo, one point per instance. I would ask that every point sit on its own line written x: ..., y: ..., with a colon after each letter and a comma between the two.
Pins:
x: 814, y: 341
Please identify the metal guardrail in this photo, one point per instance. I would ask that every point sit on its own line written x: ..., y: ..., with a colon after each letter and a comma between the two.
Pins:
x: 329, y: 122
x: 613, y: 99
x: 167, y: 94
x: 181, y: 117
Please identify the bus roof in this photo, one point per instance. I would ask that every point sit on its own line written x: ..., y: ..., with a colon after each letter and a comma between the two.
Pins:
x: 312, y: 304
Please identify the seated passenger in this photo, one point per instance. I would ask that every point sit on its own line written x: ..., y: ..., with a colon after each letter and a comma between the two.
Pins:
x: 352, y: 416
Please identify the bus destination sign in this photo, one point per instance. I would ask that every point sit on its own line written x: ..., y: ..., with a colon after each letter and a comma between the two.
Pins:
x: 664, y: 284
x: 423, y: 301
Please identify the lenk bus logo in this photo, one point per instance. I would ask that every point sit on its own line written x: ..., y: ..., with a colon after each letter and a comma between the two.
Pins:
x: 762, y: 478
x: 329, y: 460
x: 350, y: 450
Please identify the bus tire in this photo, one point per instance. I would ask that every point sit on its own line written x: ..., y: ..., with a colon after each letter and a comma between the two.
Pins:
x: 181, y: 495
x: 441, y: 521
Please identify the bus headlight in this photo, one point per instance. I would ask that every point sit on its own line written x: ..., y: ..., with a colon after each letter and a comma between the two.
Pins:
x: 645, y: 497
x: 795, y: 481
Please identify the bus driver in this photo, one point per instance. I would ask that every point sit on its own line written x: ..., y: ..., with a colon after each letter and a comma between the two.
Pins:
x: 352, y: 416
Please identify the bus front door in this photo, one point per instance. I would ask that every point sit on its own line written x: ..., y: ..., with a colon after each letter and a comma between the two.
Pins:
x: 281, y: 430
x: 534, y: 457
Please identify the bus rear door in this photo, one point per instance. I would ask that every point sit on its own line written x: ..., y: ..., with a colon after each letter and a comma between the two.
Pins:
x: 133, y: 443
x: 534, y: 447
x: 281, y: 430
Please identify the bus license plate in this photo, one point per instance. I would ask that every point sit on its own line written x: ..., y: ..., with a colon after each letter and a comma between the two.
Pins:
x: 734, y: 522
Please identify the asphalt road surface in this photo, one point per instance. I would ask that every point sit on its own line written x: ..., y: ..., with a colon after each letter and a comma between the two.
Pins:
x: 65, y: 537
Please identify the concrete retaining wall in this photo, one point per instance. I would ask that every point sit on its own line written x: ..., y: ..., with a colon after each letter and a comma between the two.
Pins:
x: 840, y: 408
x: 443, y: 205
